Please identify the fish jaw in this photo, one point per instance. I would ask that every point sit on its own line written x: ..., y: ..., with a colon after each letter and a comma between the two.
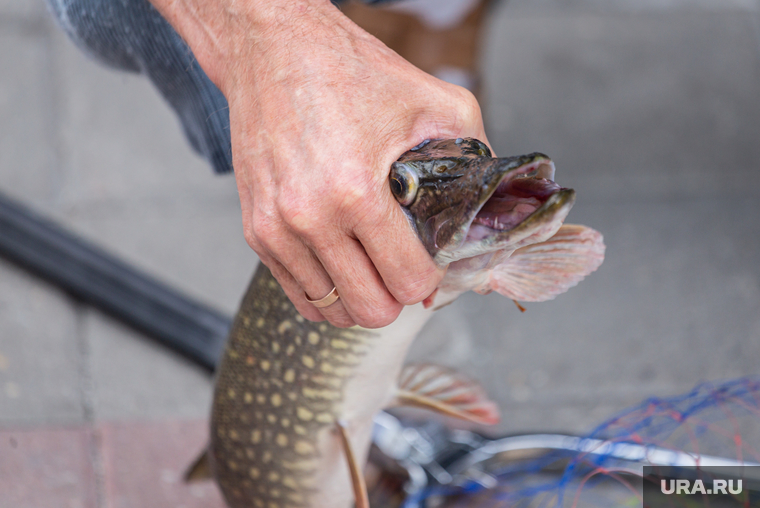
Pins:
x: 537, y: 227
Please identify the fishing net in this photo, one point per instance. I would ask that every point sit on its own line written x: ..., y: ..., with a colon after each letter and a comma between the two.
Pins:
x: 715, y: 423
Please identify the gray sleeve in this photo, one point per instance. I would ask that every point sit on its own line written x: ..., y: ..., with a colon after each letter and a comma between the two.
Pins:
x: 131, y: 35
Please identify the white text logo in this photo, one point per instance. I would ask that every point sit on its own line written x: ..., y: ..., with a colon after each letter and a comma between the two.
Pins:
x: 686, y: 487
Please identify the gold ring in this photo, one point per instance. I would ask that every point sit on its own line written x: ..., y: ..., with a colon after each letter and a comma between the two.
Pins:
x: 328, y: 300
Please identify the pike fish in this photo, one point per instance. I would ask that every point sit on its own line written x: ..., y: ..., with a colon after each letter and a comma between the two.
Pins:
x: 294, y: 400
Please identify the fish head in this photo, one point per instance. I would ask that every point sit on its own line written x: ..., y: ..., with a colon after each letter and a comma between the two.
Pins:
x: 465, y: 203
x: 472, y: 210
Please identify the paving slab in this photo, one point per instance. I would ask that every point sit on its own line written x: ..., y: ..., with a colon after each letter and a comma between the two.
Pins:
x: 27, y: 153
x: 631, y: 105
x: 40, y: 368
x: 122, y: 141
x: 47, y: 467
x: 144, y: 462
x: 199, y: 251
x: 135, y: 378
x: 22, y: 9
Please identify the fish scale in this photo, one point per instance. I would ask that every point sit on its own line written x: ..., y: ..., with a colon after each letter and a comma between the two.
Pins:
x: 280, y: 385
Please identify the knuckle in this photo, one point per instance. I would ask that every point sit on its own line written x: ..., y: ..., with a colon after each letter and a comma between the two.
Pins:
x: 263, y: 230
x: 299, y: 218
x: 342, y: 321
x: 419, y: 288
x: 379, y: 318
x: 300, y: 208
x: 250, y: 236
x: 412, y: 294
x: 471, y: 101
x: 365, y: 211
x: 353, y: 198
x: 312, y: 315
x: 469, y: 110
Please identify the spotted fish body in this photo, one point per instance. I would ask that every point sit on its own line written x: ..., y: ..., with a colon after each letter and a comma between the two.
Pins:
x: 280, y: 382
x: 284, y: 383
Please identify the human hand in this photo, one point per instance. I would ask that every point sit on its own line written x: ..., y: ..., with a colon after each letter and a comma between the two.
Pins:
x: 319, y: 110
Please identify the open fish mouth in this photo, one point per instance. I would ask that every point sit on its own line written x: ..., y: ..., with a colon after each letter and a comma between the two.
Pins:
x: 525, y: 206
x: 518, y: 195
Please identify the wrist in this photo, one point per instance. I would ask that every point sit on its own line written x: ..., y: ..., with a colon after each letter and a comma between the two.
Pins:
x: 223, y: 33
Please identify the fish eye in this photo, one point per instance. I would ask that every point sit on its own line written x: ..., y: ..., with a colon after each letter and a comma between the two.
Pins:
x: 483, y: 150
x: 404, y: 184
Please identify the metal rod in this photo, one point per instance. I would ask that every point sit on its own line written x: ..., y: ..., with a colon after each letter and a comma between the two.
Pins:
x: 643, y: 454
x: 93, y: 276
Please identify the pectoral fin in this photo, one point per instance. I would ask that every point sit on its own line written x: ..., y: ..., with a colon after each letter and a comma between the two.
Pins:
x: 445, y: 391
x: 357, y: 478
x: 541, y: 271
x: 199, y: 470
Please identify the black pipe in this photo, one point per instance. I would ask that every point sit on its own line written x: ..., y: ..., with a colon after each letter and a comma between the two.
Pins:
x: 91, y: 275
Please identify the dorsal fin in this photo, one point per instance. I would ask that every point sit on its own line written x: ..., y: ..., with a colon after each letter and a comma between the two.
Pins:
x: 200, y: 469
x: 446, y: 391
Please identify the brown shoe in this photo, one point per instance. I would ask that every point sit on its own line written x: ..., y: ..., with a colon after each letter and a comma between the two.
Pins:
x: 451, y: 54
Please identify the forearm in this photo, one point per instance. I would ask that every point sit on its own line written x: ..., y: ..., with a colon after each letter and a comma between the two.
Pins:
x: 223, y: 33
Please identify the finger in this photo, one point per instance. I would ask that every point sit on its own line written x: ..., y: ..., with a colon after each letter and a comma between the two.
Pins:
x: 311, y: 279
x: 292, y: 290
x: 460, y: 109
x: 407, y: 269
x: 361, y: 288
